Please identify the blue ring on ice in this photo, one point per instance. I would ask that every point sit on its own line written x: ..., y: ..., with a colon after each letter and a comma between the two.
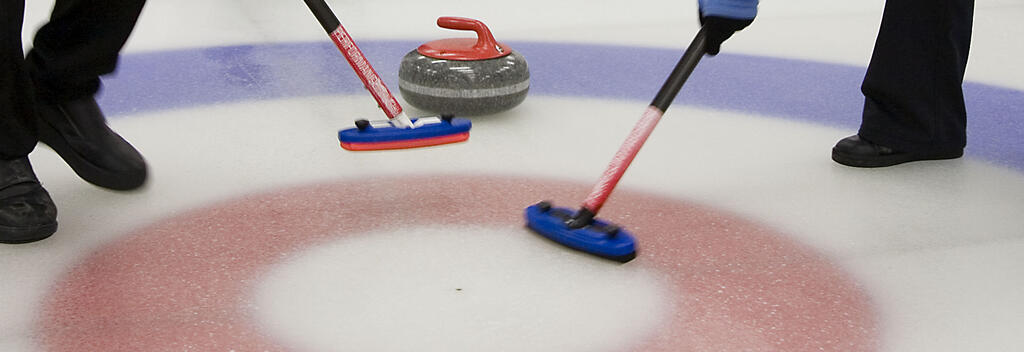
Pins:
x: 807, y: 91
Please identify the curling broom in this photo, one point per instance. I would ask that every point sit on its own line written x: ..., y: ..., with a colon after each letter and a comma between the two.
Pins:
x: 399, y: 131
x: 582, y: 230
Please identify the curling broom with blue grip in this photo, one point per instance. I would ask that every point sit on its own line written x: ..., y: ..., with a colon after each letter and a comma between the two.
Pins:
x: 399, y: 131
x: 581, y: 230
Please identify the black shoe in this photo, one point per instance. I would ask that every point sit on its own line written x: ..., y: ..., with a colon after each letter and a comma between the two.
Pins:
x: 857, y: 152
x: 77, y: 130
x: 27, y: 213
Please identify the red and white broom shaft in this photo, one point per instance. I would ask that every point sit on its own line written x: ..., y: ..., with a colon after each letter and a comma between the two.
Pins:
x: 370, y: 79
x: 347, y: 46
x: 622, y: 159
x: 627, y: 152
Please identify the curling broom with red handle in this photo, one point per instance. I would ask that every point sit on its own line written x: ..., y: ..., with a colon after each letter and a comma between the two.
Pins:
x: 399, y: 131
x: 581, y: 230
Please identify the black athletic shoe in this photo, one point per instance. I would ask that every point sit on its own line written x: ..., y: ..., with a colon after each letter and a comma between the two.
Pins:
x: 857, y: 152
x: 77, y: 130
x: 27, y: 213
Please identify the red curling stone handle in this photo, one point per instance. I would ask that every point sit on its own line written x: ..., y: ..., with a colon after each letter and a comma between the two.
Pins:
x: 485, y: 40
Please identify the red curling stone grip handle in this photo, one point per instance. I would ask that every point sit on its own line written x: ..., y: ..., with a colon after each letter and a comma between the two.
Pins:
x: 485, y: 40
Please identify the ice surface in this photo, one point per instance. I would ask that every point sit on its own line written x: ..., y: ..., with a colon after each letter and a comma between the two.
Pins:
x: 934, y: 246
x: 424, y: 288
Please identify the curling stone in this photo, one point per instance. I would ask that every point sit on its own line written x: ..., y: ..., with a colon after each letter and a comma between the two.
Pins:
x: 464, y: 76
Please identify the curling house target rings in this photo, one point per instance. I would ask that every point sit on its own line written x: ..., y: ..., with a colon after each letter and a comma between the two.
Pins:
x: 184, y: 282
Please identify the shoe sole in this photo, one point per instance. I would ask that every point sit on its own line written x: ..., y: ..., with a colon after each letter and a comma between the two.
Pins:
x: 85, y: 169
x: 8, y: 235
x: 890, y: 160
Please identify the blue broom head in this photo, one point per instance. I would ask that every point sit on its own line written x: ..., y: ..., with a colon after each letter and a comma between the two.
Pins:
x: 380, y: 135
x: 599, y: 238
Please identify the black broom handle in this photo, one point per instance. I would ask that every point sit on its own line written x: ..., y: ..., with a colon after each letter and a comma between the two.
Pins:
x: 323, y: 14
x: 682, y: 71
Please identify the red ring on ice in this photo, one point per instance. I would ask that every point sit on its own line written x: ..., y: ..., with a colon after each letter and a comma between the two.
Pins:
x: 184, y: 283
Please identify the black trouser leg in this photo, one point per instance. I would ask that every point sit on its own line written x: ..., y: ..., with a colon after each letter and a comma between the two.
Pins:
x: 913, y: 86
x: 81, y: 42
x: 17, y: 116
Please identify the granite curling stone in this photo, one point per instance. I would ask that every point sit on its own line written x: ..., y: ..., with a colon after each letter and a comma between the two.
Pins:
x: 464, y: 76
